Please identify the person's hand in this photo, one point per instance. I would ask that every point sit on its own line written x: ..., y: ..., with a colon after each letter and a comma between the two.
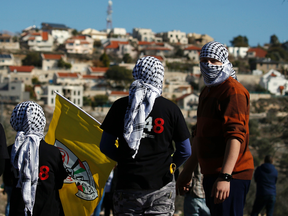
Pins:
x: 183, y: 183
x: 220, y: 190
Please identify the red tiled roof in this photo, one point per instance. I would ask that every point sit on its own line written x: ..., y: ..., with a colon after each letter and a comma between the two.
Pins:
x: 99, y: 69
x: 79, y: 37
x: 85, y: 42
x: 44, y: 36
x: 21, y: 68
x: 145, y: 43
x: 90, y: 77
x: 52, y: 56
x: 115, y: 44
x: 67, y: 75
x: 31, y: 38
x: 193, y: 48
x: 273, y: 75
x: 36, y: 34
x: 119, y: 93
x: 258, y: 52
x: 157, y: 48
x: 281, y: 87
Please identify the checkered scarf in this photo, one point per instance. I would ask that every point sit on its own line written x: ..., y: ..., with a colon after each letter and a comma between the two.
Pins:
x: 216, y: 74
x: 148, y: 74
x: 29, y: 121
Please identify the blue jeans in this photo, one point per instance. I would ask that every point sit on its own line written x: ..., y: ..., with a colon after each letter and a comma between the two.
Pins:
x: 145, y: 202
x: 194, y: 206
x: 234, y: 204
x: 260, y: 202
x: 99, y: 206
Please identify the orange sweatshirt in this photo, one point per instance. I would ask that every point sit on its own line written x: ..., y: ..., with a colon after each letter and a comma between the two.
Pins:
x: 223, y: 113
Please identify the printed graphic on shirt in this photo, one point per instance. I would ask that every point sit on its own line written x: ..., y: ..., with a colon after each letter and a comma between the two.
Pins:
x: 153, y: 127
x: 78, y: 173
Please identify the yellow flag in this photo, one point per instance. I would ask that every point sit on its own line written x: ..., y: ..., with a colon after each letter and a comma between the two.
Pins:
x: 78, y: 135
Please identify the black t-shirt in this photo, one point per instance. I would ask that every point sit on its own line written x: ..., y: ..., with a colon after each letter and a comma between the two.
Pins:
x: 150, y: 169
x: 51, y: 176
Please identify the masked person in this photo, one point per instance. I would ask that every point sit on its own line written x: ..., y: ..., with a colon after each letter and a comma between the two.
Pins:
x: 222, y: 136
x: 145, y: 124
x: 38, y: 170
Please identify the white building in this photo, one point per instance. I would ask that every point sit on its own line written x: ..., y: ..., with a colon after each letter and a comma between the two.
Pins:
x: 143, y: 34
x: 80, y: 44
x: 175, y: 36
x: 72, y: 93
x: 39, y: 41
x: 6, y: 60
x: 95, y: 35
x: 50, y: 61
x: 59, y: 32
x: 238, y: 51
x: 274, y: 82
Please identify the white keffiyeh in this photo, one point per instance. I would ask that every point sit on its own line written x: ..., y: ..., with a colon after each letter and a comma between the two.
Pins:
x: 148, y: 74
x: 29, y: 121
x: 216, y: 74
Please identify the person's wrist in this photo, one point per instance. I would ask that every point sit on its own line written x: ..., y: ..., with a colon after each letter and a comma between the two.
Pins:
x: 225, y: 177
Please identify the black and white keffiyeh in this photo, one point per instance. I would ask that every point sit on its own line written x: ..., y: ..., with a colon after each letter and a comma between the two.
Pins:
x: 216, y: 74
x: 28, y: 120
x: 148, y: 74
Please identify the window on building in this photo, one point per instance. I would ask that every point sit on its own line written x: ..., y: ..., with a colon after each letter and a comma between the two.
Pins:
x: 52, y: 100
x: 78, y: 101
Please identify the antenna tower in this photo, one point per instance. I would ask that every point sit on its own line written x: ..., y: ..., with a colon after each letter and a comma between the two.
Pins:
x: 109, y: 16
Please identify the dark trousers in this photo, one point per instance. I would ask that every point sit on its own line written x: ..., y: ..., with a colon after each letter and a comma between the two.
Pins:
x: 234, y: 204
x: 260, y: 202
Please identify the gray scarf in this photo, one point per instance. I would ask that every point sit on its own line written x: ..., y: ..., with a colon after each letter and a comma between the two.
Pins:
x: 29, y: 121
x: 148, y: 74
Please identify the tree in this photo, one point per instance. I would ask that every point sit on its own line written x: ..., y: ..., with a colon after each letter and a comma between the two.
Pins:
x: 63, y: 64
x: 127, y: 58
x: 120, y: 75
x: 74, y: 32
x: 105, y: 59
x: 274, y: 40
x: 99, y: 100
x: 240, y: 41
x: 32, y: 58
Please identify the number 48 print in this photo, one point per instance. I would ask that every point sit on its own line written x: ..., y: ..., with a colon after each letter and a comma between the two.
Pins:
x: 157, y: 127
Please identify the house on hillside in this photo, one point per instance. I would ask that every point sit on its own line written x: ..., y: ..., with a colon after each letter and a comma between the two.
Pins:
x: 13, y: 92
x: 265, y: 65
x: 50, y: 61
x: 39, y: 41
x: 97, y: 71
x: 175, y: 37
x: 188, y: 101
x: 6, y: 60
x: 72, y: 93
x: 67, y: 79
x: 59, y: 32
x: 275, y: 82
x: 158, y: 51
x: 120, y: 48
x: 80, y: 44
x: 95, y: 34
x: 199, y: 39
x: 193, y: 52
x: 6, y: 42
x: 256, y: 52
x: 20, y: 73
x: 238, y: 51
x: 142, y: 34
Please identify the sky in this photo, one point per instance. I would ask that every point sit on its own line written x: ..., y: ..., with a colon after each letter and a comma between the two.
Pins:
x: 223, y: 20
